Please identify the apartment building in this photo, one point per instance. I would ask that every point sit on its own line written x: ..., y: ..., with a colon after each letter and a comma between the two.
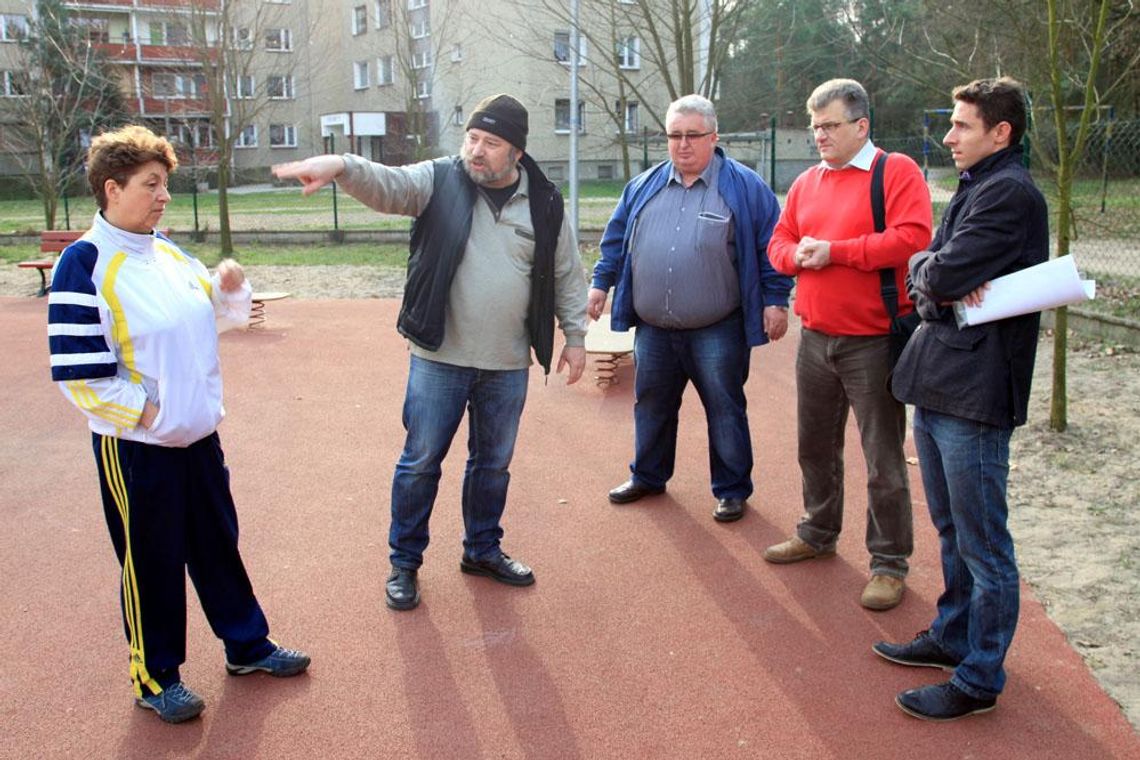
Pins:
x: 393, y: 80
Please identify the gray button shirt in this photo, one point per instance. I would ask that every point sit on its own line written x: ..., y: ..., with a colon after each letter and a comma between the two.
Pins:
x: 684, y: 255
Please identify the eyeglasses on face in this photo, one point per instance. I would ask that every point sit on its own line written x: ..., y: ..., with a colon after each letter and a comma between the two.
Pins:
x: 688, y: 137
x: 829, y: 127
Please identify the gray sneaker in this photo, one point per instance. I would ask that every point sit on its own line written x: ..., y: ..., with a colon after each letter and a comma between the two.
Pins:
x: 280, y: 663
x: 174, y: 704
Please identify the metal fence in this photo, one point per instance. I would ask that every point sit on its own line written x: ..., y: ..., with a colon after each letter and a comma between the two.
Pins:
x: 1105, y: 229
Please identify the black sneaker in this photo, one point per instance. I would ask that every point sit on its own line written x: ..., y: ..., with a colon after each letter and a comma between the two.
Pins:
x: 942, y: 702
x: 923, y: 652
x: 174, y: 704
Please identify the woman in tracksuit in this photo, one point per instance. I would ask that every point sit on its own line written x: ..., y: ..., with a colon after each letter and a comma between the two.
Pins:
x: 133, y: 323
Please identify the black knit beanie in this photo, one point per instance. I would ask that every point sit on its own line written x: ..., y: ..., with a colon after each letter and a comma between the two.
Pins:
x: 501, y: 115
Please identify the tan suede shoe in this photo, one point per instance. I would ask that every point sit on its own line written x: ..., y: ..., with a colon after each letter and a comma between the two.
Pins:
x: 794, y: 549
x: 883, y: 592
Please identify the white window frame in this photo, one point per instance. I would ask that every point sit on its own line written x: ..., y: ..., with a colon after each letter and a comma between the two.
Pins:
x: 562, y: 48
x: 630, y: 117
x: 360, y: 79
x: 167, y: 37
x: 423, y: 89
x: 420, y: 28
x: 241, y: 92
x: 382, y: 13
x: 457, y: 116
x: 289, y: 91
x: 13, y: 27
x: 242, y: 38
x: 385, y: 64
x: 8, y: 86
x: 422, y: 59
x: 359, y: 20
x: 417, y: 4
x: 284, y: 40
x: 456, y: 53
x: 565, y: 103
x: 629, y: 52
x: 181, y: 86
x: 288, y: 134
x: 247, y: 137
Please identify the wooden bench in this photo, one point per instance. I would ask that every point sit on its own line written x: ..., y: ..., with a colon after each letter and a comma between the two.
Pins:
x: 51, y: 241
x: 610, y: 346
x: 257, y: 310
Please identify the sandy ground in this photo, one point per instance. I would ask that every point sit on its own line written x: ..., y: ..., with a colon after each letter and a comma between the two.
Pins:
x: 1073, y: 495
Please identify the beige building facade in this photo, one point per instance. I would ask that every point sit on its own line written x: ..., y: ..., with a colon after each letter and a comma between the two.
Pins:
x: 392, y: 80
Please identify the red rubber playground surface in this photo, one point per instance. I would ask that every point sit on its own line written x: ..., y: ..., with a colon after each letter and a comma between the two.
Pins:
x: 652, y: 632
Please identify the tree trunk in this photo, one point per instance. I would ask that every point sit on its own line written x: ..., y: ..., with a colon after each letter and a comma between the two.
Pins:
x: 1059, y: 406
x: 224, y: 237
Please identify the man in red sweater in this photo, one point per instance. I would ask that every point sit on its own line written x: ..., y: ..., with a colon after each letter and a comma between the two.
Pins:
x: 826, y: 237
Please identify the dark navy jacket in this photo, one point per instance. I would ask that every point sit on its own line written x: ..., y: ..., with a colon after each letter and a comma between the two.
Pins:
x: 996, y: 223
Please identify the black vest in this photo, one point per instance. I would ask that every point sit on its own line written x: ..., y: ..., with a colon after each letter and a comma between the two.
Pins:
x: 439, y: 237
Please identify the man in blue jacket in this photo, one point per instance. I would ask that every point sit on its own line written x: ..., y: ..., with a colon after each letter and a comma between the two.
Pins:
x: 970, y: 389
x: 686, y: 254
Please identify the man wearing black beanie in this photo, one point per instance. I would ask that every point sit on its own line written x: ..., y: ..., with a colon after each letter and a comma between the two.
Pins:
x: 493, y: 263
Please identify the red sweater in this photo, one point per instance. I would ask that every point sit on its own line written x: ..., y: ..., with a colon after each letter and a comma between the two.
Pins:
x: 844, y: 297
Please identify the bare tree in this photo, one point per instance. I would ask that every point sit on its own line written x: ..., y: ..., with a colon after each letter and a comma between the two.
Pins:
x: 1085, y: 29
x: 65, y: 93
x: 238, y: 72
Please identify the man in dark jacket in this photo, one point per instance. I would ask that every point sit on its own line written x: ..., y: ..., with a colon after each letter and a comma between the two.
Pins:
x: 970, y: 388
x: 493, y: 262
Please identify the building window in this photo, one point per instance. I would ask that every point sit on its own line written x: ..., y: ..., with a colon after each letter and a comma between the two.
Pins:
x: 169, y: 33
x: 243, y: 38
x: 247, y: 138
x: 605, y: 171
x: 197, y: 135
x: 562, y: 48
x: 629, y: 52
x: 457, y: 116
x: 176, y: 86
x: 383, y: 13
x: 631, y: 121
x: 421, y: 28
x: 456, y: 53
x: 13, y: 28
x: 414, y: 4
x: 359, y: 20
x: 360, y: 75
x: 421, y: 60
x: 282, y: 136
x: 13, y: 84
x: 279, y: 40
x: 556, y: 173
x: 385, y: 71
x: 423, y: 89
x: 279, y: 87
x: 244, y: 87
x: 562, y: 115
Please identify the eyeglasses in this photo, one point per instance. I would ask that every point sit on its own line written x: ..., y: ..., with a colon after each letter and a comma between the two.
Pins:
x: 688, y: 137
x: 829, y: 127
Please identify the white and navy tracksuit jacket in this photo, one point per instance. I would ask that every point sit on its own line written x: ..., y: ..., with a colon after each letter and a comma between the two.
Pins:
x: 132, y: 317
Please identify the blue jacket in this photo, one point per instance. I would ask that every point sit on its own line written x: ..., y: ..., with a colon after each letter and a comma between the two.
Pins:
x: 754, y: 215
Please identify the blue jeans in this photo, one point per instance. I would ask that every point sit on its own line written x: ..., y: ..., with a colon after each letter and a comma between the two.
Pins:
x: 436, y: 398
x: 715, y: 359
x: 964, y: 467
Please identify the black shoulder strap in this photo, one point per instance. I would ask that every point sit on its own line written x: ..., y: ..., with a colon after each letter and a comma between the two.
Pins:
x: 887, y: 284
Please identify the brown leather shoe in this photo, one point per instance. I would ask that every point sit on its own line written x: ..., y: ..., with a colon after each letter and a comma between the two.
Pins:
x: 883, y: 592
x: 795, y: 549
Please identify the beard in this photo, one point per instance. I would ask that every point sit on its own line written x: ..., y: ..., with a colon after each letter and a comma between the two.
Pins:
x: 484, y: 175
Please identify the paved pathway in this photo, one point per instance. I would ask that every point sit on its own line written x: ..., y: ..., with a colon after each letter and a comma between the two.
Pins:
x: 652, y: 632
